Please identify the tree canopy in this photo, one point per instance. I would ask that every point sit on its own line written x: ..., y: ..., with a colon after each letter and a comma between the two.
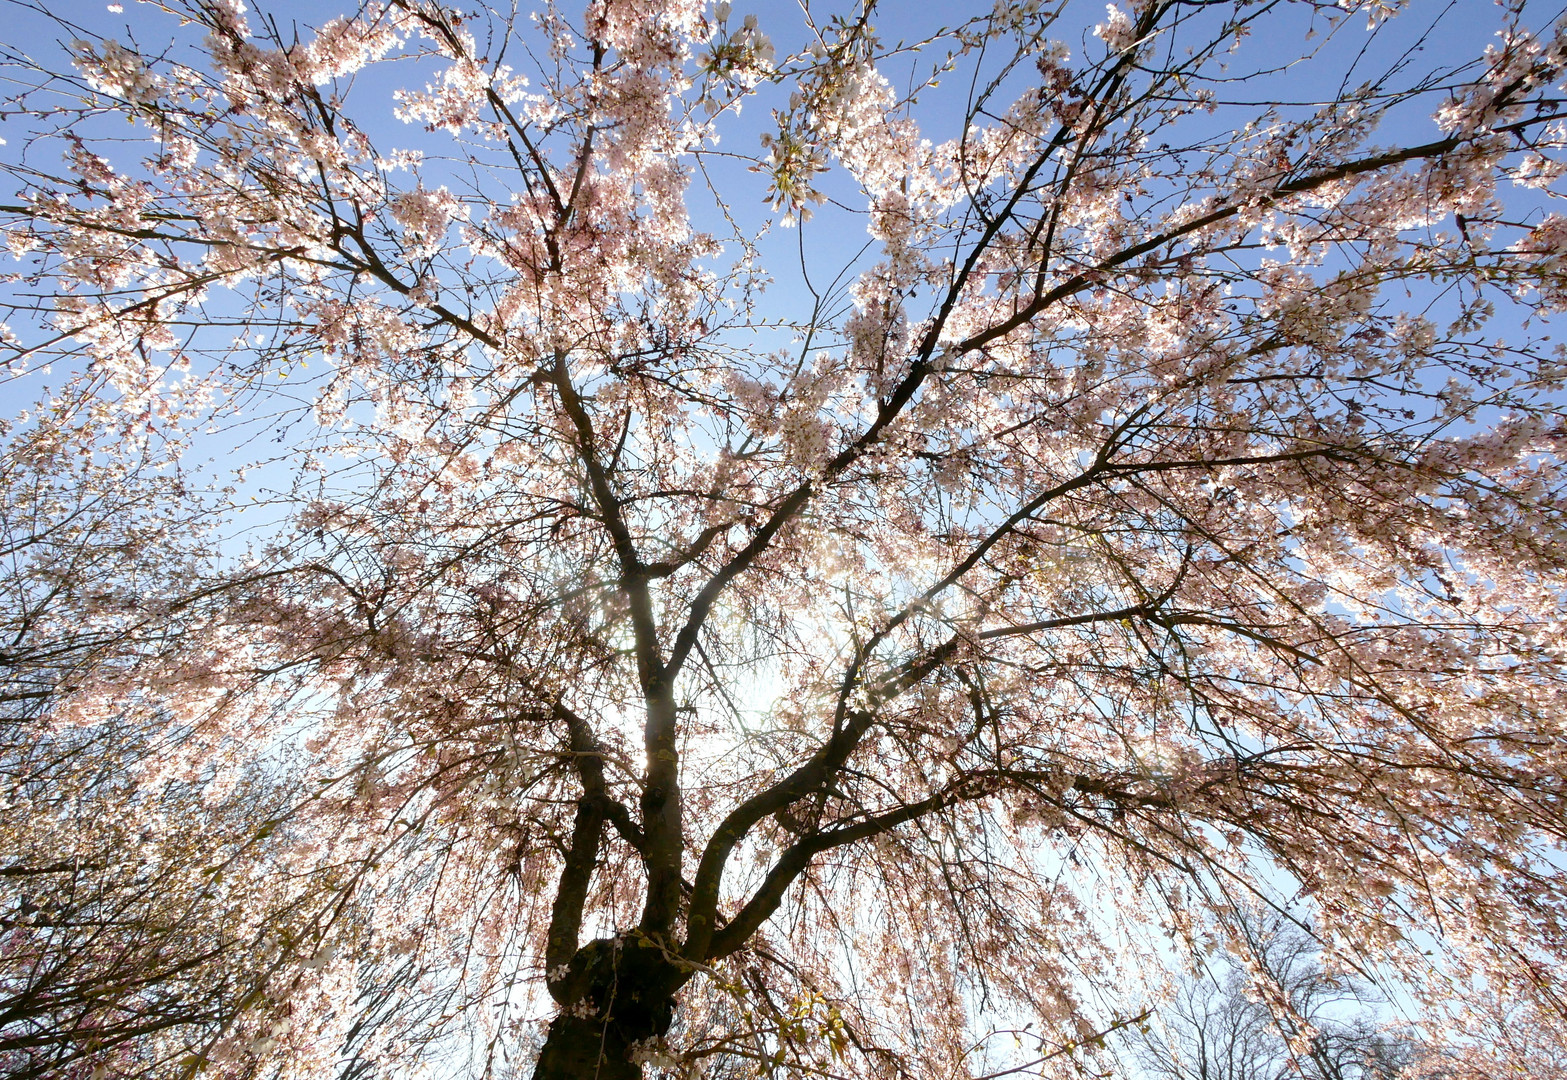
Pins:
x: 640, y: 538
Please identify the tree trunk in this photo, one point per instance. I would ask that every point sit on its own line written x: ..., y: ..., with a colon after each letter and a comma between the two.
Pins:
x: 586, y: 1048
x: 618, y: 997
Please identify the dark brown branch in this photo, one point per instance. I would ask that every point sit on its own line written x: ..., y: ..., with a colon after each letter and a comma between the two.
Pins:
x: 1087, y: 278
x: 581, y: 858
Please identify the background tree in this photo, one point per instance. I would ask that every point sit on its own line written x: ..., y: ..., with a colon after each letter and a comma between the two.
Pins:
x: 1225, y: 1023
x: 610, y: 663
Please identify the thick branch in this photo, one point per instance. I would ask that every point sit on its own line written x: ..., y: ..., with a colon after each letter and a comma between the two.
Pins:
x: 792, y: 863
x: 581, y: 858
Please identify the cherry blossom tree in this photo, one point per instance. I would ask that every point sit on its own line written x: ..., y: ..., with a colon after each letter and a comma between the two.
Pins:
x: 777, y: 544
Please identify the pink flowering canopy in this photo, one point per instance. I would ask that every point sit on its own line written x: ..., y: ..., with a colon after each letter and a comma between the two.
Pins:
x: 651, y: 540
